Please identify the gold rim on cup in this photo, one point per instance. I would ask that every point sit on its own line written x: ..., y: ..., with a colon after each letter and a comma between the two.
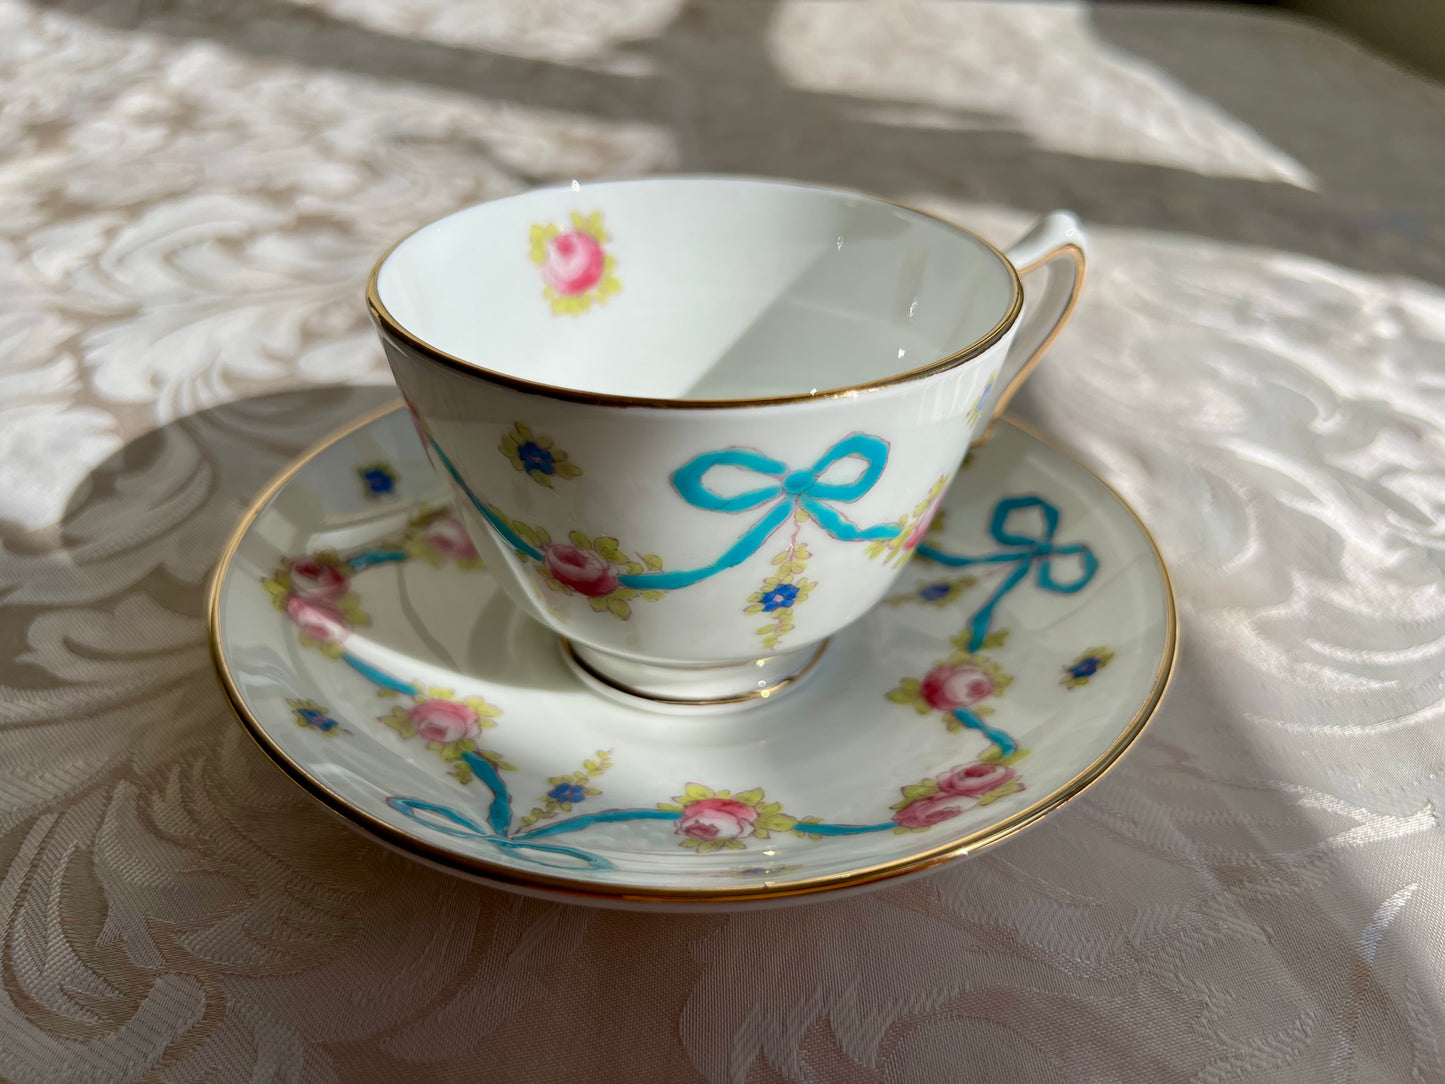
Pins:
x: 393, y: 327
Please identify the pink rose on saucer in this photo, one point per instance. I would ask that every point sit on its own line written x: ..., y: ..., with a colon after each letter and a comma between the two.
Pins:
x: 313, y: 579
x: 586, y: 573
x: 974, y: 779
x: 573, y: 264
x: 318, y: 619
x: 449, y: 538
x: 444, y: 721
x: 948, y: 687
x: 717, y: 818
x: 926, y: 812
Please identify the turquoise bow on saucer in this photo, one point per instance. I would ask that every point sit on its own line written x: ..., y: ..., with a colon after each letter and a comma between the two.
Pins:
x: 1024, y: 552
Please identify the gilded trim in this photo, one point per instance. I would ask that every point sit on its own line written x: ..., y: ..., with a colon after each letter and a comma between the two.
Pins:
x: 392, y: 327
x: 581, y: 891
x: 1012, y: 389
x: 1075, y: 253
x: 710, y: 702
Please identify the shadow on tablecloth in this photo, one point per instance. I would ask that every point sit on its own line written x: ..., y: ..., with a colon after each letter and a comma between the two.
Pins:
x: 1374, y: 205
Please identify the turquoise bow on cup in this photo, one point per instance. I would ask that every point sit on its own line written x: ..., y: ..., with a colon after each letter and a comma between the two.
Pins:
x: 793, y: 489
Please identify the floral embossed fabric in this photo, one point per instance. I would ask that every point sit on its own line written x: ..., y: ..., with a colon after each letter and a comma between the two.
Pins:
x: 190, y: 198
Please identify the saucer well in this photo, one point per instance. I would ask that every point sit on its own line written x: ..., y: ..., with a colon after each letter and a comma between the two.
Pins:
x: 373, y: 658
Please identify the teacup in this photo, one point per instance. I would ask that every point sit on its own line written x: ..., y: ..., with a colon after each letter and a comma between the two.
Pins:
x: 696, y: 425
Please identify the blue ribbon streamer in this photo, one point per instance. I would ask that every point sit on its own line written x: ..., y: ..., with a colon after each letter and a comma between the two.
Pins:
x: 1024, y: 552
x: 378, y: 677
x: 500, y: 525
x: 499, y: 813
x: 791, y: 490
x: 1006, y: 745
x: 586, y: 820
x: 375, y: 557
x: 452, y: 823
x: 813, y: 828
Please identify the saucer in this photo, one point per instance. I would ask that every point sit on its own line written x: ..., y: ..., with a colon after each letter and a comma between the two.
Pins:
x: 371, y: 655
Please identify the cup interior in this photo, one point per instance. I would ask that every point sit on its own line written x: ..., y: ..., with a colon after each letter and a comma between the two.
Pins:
x: 696, y: 288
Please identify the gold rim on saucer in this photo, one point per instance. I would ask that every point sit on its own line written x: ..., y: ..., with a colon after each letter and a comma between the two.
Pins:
x: 394, y: 328
x: 484, y: 870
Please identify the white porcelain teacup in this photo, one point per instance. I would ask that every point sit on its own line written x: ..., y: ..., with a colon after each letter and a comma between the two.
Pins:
x: 696, y: 425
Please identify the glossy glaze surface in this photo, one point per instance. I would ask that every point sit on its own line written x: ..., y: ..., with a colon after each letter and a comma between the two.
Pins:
x: 637, y: 460
x: 377, y: 660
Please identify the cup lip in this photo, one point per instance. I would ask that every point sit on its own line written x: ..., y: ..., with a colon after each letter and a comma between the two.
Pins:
x: 393, y: 327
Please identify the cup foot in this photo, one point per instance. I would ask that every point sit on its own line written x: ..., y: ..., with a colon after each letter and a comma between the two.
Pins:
x: 687, y: 690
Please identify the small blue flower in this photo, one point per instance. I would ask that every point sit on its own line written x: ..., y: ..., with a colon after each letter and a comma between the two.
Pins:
x: 536, y: 458
x: 1086, y: 666
x: 780, y: 597
x: 567, y: 793
x: 379, y: 479
x: 316, y: 719
x: 933, y: 592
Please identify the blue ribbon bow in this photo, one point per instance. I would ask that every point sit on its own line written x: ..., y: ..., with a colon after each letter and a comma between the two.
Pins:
x: 973, y: 721
x: 1025, y: 551
x: 793, y: 489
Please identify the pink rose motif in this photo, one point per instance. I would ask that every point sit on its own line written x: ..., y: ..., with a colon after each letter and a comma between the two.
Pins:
x: 974, y: 779
x: 717, y: 818
x: 948, y: 687
x: 311, y: 578
x: 920, y: 528
x: 926, y: 812
x: 574, y: 263
x: 586, y: 573
x: 449, y: 538
x: 444, y: 720
x: 318, y: 618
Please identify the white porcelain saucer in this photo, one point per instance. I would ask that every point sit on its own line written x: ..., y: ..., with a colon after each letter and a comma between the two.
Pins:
x: 373, y: 658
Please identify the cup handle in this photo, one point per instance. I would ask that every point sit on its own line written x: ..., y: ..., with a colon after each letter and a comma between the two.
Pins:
x: 1054, y: 244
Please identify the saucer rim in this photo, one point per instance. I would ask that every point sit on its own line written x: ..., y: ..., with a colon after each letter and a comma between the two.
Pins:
x: 582, y: 891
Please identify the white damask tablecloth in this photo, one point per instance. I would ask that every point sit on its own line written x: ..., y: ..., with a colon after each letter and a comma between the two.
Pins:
x: 191, y: 193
